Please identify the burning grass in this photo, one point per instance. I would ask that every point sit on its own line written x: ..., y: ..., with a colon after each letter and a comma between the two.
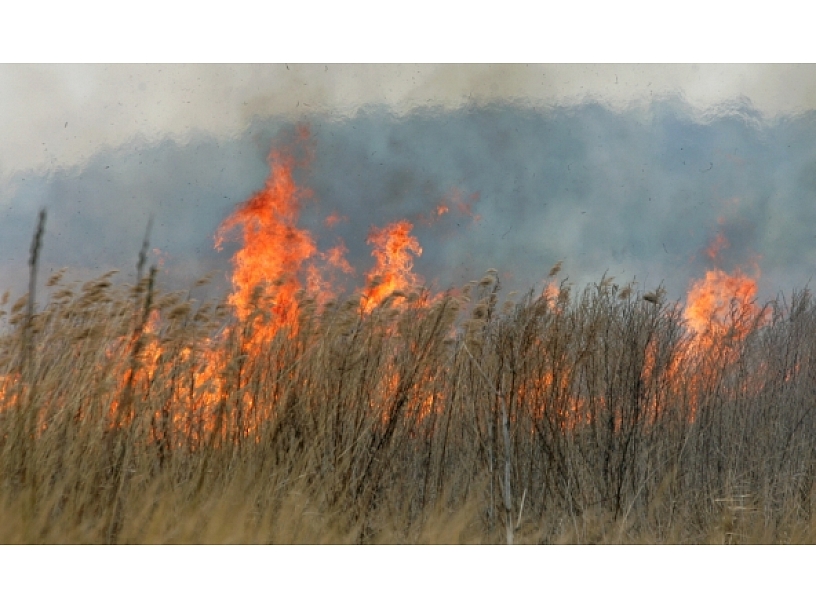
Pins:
x: 134, y: 416
x: 289, y: 414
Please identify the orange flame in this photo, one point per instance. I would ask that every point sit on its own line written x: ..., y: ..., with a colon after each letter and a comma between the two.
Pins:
x: 394, y: 247
x: 277, y: 265
x: 551, y: 292
x: 274, y: 250
x: 721, y: 311
x: 336, y: 257
x: 721, y: 301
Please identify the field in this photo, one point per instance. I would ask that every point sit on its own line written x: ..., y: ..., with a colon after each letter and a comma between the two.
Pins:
x: 291, y: 414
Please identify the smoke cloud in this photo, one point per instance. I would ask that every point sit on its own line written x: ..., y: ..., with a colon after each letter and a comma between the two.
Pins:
x: 634, y: 190
x: 62, y: 115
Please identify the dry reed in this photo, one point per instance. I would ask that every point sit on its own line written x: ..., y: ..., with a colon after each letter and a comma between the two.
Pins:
x: 134, y: 416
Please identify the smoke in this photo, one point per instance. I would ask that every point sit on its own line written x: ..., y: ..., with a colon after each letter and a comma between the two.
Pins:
x: 636, y: 192
x: 63, y: 115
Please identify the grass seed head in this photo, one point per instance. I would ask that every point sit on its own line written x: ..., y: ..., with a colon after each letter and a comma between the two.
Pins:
x: 481, y: 310
x: 56, y: 277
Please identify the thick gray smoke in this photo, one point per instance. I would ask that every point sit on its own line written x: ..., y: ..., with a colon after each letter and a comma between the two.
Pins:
x: 638, y: 192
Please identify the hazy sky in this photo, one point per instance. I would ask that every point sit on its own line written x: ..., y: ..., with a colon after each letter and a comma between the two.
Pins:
x: 107, y: 106
x: 630, y: 169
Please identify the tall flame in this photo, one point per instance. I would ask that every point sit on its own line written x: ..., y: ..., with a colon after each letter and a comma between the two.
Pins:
x: 394, y: 250
x: 275, y: 249
x: 721, y: 311
x: 278, y: 259
x: 722, y: 302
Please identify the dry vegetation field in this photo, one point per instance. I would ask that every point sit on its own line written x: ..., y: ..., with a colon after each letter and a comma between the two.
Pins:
x: 592, y: 418
x: 395, y: 415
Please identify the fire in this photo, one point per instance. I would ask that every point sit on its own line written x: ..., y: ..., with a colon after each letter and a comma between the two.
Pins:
x: 722, y: 302
x: 320, y: 279
x: 336, y: 257
x: 551, y: 292
x: 278, y: 259
x: 394, y: 250
x: 267, y: 268
x: 455, y: 200
x: 720, y: 311
x: 279, y: 270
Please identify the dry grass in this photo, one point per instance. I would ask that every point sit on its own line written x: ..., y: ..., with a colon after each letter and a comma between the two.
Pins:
x: 131, y: 416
